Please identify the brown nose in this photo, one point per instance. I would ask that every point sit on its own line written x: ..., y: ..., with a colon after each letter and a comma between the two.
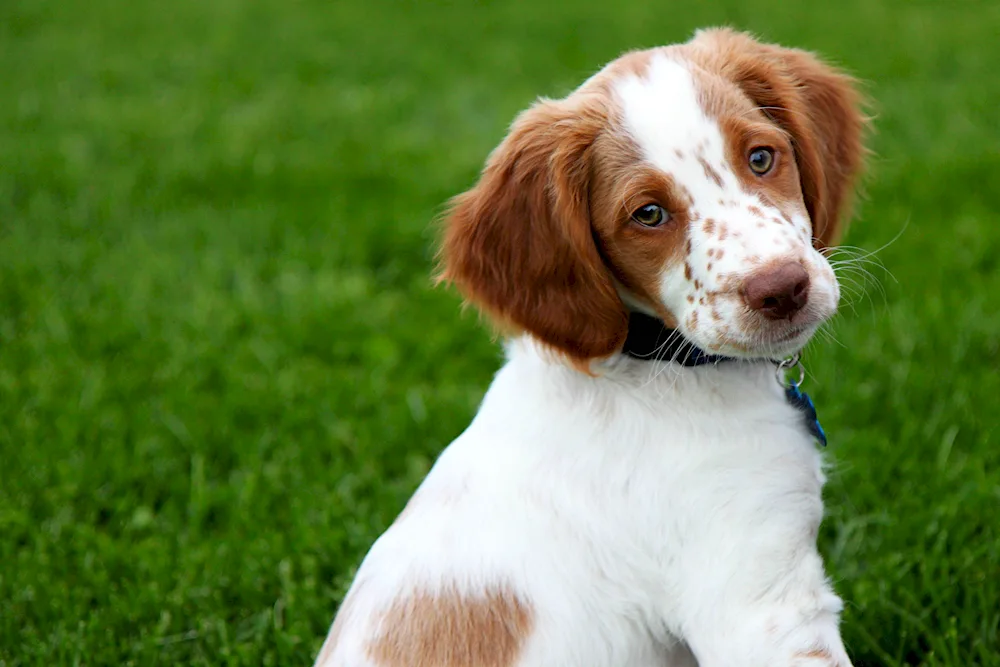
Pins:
x: 777, y: 293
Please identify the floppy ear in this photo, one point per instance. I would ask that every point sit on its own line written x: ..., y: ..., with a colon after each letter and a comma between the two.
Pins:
x: 817, y: 105
x: 520, y: 243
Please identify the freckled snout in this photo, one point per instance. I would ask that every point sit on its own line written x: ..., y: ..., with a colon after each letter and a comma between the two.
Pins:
x: 777, y: 293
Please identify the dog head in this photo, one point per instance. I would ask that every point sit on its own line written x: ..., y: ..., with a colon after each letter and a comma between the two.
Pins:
x: 696, y: 182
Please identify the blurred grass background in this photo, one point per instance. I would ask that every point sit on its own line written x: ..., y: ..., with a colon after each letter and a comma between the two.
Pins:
x: 223, y: 368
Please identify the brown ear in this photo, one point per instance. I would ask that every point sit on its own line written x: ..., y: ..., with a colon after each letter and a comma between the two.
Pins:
x: 520, y: 243
x: 816, y: 104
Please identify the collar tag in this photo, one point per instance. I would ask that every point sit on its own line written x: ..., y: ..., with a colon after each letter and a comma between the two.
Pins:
x: 800, y: 400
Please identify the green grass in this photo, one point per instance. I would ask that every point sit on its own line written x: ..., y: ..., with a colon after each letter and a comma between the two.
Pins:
x: 223, y: 367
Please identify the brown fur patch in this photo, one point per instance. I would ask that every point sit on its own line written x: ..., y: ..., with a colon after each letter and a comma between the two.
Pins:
x: 520, y: 244
x: 710, y: 171
x: 816, y: 653
x: 633, y: 63
x: 453, y: 630
x: 636, y: 255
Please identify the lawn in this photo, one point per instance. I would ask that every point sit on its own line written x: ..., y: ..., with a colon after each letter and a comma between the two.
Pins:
x: 223, y: 367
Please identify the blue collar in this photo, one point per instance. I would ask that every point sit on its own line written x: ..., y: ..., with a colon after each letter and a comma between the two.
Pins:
x: 649, y: 339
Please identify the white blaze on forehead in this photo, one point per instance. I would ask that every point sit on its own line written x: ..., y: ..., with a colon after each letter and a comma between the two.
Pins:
x: 662, y: 113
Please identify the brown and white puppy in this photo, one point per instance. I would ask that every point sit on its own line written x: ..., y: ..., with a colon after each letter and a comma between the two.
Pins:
x: 603, y: 510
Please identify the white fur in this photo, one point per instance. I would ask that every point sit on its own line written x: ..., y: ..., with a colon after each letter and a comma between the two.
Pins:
x: 639, y: 515
x: 651, y: 516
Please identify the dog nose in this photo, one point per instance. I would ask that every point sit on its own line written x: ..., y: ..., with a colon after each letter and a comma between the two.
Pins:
x: 777, y: 293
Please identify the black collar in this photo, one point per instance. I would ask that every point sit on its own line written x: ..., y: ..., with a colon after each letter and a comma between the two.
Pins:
x: 649, y: 339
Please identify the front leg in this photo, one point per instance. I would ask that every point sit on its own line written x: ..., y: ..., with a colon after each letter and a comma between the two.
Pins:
x: 789, y: 621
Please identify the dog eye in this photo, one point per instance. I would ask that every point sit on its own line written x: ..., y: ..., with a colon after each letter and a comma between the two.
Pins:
x: 650, y: 215
x: 761, y: 160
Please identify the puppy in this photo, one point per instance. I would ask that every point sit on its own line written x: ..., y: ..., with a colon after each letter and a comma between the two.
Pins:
x: 639, y: 487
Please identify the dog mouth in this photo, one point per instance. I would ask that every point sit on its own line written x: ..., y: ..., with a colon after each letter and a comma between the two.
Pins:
x: 788, y: 340
x: 767, y: 344
x: 789, y: 334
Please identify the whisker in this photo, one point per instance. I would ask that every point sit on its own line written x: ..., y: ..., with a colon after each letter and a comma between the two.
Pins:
x: 657, y: 368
